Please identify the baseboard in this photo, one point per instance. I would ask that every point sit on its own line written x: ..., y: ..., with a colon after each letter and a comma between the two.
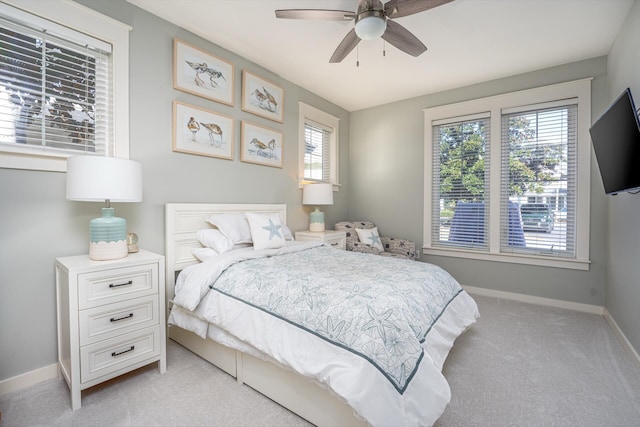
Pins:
x: 586, y: 308
x: 620, y: 335
x: 28, y: 379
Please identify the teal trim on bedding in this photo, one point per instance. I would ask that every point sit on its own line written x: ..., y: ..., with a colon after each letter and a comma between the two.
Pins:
x: 380, y: 309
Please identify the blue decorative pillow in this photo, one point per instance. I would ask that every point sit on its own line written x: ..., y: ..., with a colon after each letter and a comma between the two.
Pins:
x: 267, y: 230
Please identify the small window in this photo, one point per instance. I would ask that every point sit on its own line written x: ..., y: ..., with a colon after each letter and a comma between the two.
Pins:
x: 318, y: 145
x: 57, y: 87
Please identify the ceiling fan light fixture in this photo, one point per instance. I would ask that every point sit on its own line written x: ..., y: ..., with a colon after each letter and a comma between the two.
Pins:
x: 370, y: 25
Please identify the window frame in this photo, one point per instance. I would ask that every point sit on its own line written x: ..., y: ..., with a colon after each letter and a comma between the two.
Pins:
x: 308, y: 112
x: 494, y: 105
x: 79, y: 19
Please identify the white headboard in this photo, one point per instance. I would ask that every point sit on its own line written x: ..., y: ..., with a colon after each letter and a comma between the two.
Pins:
x: 183, y: 220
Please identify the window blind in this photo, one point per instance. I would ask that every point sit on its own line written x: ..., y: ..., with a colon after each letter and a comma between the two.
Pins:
x: 318, y: 155
x: 54, y: 92
x: 460, y: 204
x: 538, y: 195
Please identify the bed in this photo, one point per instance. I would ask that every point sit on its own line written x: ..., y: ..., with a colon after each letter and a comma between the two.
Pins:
x: 340, y: 372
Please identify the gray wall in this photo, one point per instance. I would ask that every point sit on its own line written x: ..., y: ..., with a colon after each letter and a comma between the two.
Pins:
x: 623, y: 278
x: 386, y: 185
x: 37, y: 224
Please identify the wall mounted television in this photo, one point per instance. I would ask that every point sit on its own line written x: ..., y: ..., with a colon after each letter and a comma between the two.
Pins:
x: 616, y: 142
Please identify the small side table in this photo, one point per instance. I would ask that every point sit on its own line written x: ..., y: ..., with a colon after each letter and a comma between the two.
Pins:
x: 337, y: 239
x: 111, y: 318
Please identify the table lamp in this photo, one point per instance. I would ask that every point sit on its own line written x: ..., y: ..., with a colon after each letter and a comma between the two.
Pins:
x: 109, y: 179
x: 317, y: 194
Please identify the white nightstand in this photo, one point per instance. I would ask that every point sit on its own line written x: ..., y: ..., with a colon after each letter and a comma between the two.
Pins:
x: 111, y: 318
x: 337, y: 239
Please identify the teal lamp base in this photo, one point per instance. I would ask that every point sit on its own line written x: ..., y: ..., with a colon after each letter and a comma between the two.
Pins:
x: 316, y: 221
x: 108, y: 237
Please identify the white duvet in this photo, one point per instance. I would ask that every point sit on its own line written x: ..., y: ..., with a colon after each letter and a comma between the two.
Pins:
x: 398, y: 385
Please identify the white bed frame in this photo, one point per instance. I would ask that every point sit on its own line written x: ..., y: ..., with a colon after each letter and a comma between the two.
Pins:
x: 300, y: 395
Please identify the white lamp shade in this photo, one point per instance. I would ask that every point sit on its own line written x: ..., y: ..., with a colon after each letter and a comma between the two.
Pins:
x: 317, y: 194
x: 98, y: 178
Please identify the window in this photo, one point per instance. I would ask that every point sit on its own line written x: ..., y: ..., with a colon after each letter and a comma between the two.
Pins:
x: 58, y: 89
x: 518, y: 194
x: 318, y: 145
x: 461, y: 171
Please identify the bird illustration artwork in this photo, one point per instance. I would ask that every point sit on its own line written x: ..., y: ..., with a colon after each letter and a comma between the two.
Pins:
x: 262, y: 147
x: 265, y: 100
x: 193, y: 127
x: 213, y: 129
x: 271, y: 100
x: 203, y: 68
x: 259, y: 96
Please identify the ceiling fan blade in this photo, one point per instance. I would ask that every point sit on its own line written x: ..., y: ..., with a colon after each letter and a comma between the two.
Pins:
x: 347, y: 44
x: 401, y: 38
x: 399, y: 8
x: 317, y: 14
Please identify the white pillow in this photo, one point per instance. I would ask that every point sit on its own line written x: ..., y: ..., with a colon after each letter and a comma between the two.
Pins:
x: 214, y: 239
x: 267, y: 231
x: 370, y: 236
x: 232, y: 225
x: 203, y: 254
x: 287, y: 233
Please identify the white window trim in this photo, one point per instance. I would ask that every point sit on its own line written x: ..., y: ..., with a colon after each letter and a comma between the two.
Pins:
x: 306, y: 111
x: 94, y: 24
x: 495, y: 105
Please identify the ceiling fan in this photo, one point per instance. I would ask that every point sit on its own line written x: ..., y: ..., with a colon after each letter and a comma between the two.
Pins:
x: 373, y: 19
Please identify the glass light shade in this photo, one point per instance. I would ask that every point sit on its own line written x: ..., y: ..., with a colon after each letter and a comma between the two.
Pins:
x: 370, y: 27
x: 108, y: 179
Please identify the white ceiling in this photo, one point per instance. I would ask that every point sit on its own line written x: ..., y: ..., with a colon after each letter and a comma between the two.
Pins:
x: 468, y: 41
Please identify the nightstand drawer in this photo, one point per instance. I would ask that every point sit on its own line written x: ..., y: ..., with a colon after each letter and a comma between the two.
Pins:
x: 103, y: 322
x: 105, y: 357
x: 337, y: 239
x: 338, y: 243
x: 109, y: 286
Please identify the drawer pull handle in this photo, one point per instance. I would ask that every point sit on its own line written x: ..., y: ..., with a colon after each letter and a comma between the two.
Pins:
x: 335, y: 244
x: 113, y: 319
x: 130, y: 282
x: 114, y: 354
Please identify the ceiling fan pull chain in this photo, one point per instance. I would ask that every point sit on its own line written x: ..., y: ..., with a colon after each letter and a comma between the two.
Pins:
x: 357, y: 56
x: 384, y: 48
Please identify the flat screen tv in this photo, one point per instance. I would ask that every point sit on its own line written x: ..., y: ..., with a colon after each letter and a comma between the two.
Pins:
x: 616, y: 141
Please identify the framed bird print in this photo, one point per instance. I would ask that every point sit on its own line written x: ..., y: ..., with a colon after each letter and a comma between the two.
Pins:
x: 200, y: 73
x: 261, y: 145
x: 262, y: 97
x: 203, y: 132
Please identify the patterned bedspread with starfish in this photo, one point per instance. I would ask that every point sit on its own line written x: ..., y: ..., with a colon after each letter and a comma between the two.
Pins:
x: 378, y: 308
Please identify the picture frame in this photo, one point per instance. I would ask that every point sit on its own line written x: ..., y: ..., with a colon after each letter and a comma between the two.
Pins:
x: 200, y: 73
x: 261, y: 145
x: 262, y: 97
x: 203, y: 132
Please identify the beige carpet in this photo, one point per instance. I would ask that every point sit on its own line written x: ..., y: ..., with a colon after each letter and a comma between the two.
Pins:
x: 520, y: 365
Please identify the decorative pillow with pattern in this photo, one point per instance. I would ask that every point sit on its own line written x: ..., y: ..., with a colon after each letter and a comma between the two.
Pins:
x: 370, y: 237
x: 267, y: 231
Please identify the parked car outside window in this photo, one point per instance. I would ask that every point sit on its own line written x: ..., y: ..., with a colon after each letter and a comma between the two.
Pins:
x: 537, y: 217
